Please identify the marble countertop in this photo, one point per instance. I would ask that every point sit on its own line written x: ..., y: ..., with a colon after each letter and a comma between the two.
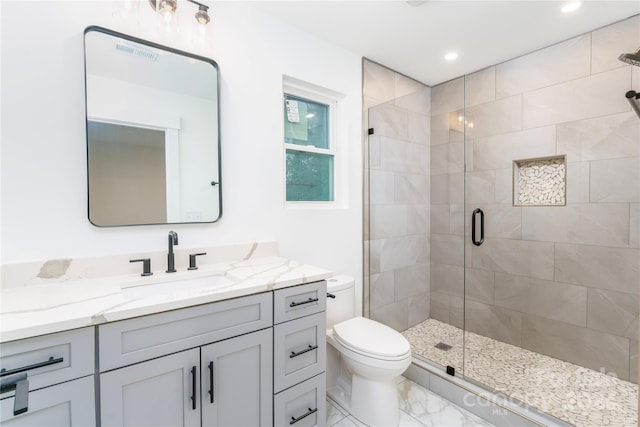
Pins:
x: 57, y: 306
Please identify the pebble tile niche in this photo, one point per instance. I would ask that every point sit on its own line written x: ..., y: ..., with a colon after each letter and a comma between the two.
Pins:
x: 540, y: 182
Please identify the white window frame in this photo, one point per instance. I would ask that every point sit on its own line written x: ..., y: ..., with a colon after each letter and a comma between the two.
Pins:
x: 318, y: 94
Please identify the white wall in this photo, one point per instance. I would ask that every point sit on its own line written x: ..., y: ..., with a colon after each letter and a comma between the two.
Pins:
x: 43, y: 198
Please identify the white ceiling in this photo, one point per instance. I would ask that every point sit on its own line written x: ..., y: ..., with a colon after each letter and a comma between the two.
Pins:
x: 413, y: 39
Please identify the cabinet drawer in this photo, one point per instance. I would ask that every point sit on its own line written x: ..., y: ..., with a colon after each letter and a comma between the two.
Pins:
x: 298, y: 301
x: 143, y: 338
x: 68, y: 404
x: 303, y: 405
x: 300, y: 350
x: 50, y: 359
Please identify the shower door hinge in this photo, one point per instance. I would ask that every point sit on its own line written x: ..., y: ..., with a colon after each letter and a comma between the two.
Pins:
x: 451, y: 371
x: 370, y: 131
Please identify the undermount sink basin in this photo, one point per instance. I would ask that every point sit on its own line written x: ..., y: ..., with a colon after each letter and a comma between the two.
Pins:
x: 150, y: 287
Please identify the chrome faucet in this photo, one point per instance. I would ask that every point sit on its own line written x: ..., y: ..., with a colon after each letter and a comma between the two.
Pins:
x: 173, y: 240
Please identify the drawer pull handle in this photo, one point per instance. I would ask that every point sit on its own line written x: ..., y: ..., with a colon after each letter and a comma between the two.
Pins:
x: 310, y: 300
x: 193, y: 388
x: 295, y: 420
x: 20, y: 384
x: 51, y: 361
x: 306, y: 350
x: 211, y: 381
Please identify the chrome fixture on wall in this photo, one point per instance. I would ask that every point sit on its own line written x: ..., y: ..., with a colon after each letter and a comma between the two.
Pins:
x: 631, y: 58
x: 168, y: 7
x: 634, y: 99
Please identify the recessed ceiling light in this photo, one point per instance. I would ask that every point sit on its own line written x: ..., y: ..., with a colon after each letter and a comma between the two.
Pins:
x: 451, y: 56
x: 570, y: 7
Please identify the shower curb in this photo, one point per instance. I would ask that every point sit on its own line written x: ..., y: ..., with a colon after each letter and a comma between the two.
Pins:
x: 491, y: 407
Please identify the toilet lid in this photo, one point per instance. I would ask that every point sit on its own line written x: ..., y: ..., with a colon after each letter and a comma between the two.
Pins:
x: 370, y: 337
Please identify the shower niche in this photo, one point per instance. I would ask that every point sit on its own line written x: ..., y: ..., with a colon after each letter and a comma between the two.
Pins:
x: 540, y: 181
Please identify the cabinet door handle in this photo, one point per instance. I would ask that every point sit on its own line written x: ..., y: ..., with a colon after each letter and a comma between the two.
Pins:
x: 306, y: 350
x: 20, y: 384
x: 51, y: 361
x: 310, y: 300
x: 295, y: 420
x: 193, y: 388
x: 211, y: 381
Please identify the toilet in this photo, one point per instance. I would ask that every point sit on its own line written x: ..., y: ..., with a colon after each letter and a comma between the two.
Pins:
x: 364, y: 359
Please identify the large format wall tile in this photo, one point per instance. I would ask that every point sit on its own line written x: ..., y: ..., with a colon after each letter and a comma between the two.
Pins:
x: 634, y: 228
x: 439, y: 306
x: 389, y: 120
x: 393, y: 315
x: 494, y: 322
x: 447, y: 279
x: 401, y: 156
x: 418, y: 219
x: 493, y: 118
x: 480, y: 187
x: 584, y: 98
x: 440, y: 189
x: 480, y: 87
x: 500, y: 221
x: 447, y: 249
x: 418, y: 99
x: 552, y: 300
x: 520, y: 257
x: 615, y: 180
x: 388, y: 221
x: 608, y: 137
x: 419, y: 308
x: 380, y: 81
x: 613, y: 312
x: 601, y: 267
x: 609, y: 42
x: 447, y: 97
x: 398, y: 252
x: 440, y: 219
x: 499, y: 151
x: 582, y: 346
x: 605, y: 224
x: 504, y: 186
x: 439, y: 129
x: 479, y: 285
x: 578, y: 177
x: 559, y: 63
x: 411, y: 281
x: 412, y: 188
x: 381, y: 187
x: 382, y: 289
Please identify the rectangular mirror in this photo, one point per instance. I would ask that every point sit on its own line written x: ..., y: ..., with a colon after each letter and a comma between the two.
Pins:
x: 153, y: 137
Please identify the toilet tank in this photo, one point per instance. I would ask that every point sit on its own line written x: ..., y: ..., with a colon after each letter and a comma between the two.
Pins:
x: 341, y: 307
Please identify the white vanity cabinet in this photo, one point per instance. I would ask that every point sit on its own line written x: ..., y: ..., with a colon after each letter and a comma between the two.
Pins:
x: 300, y: 354
x: 207, y: 365
x: 57, y: 371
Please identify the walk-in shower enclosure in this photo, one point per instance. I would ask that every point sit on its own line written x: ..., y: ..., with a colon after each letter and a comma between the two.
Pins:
x: 502, y: 223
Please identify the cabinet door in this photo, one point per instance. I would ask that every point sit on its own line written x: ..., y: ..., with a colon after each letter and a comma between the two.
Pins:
x: 69, y: 404
x: 237, y: 381
x: 156, y: 393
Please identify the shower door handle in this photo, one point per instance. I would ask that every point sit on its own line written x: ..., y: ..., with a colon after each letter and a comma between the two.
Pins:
x: 473, y: 227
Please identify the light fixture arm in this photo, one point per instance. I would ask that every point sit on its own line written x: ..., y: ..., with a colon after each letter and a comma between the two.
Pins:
x: 202, y: 15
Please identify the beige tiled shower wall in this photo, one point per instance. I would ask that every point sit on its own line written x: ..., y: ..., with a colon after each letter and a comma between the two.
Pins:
x: 396, y: 197
x: 561, y: 281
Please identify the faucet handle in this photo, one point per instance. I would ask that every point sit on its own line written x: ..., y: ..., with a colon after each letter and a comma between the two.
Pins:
x: 192, y: 261
x: 146, y: 266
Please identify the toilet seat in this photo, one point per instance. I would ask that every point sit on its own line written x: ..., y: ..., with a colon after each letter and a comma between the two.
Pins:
x: 372, y: 339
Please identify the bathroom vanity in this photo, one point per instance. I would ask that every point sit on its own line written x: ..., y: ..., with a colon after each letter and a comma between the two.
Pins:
x: 249, y: 352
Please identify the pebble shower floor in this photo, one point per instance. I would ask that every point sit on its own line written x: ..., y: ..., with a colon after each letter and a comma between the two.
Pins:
x: 580, y: 396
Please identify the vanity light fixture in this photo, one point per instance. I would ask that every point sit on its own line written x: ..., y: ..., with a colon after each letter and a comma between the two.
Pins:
x: 168, y: 7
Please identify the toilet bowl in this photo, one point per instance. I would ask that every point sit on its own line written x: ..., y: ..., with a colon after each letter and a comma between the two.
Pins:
x: 364, y: 359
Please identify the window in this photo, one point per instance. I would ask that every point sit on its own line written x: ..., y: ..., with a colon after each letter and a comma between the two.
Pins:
x: 310, y: 147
